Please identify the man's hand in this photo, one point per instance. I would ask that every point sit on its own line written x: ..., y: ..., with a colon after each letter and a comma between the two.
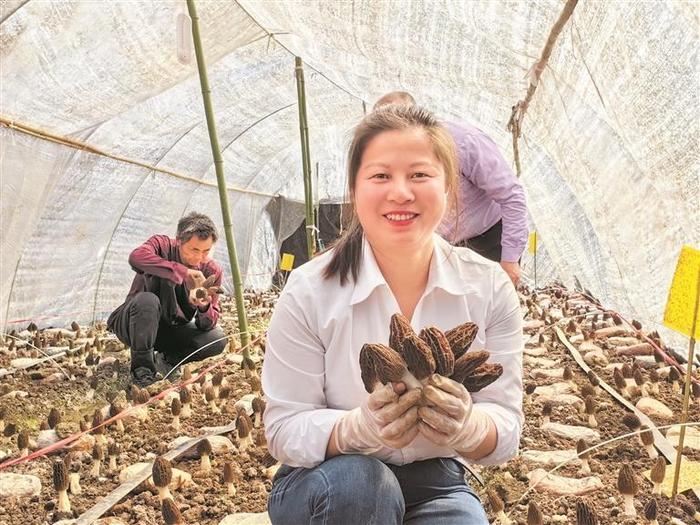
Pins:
x: 194, y: 279
x: 449, y: 420
x: 513, y: 271
x: 387, y: 418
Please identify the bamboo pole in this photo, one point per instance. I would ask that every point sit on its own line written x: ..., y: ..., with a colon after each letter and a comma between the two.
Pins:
x: 305, y: 158
x: 220, y: 180
x: 686, y: 393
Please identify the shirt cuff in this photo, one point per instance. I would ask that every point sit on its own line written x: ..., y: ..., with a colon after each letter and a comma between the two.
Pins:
x: 508, y: 428
x: 509, y: 254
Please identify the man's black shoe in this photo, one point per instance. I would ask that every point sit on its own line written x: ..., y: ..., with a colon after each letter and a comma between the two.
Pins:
x: 142, y: 377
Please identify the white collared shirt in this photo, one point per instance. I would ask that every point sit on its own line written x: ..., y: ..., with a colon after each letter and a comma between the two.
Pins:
x: 311, y: 373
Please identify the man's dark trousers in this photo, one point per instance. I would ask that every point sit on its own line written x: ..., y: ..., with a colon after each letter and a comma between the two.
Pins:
x: 138, y: 324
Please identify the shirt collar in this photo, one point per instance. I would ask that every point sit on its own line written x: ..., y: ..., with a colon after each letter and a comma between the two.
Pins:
x: 443, y: 274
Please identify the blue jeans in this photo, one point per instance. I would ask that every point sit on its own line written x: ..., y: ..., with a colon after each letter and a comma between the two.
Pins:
x: 354, y: 489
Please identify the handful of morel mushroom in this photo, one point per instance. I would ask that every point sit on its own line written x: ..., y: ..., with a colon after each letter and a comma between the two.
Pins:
x: 206, y: 289
x: 412, y: 357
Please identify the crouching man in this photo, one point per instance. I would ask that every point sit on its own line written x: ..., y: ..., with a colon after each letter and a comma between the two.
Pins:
x: 161, y: 320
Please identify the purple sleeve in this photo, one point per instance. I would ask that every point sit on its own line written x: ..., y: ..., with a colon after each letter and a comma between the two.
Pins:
x: 488, y: 170
x: 207, y: 319
x: 152, y: 258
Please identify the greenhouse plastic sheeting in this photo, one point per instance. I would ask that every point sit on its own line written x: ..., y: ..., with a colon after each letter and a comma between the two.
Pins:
x: 609, y: 150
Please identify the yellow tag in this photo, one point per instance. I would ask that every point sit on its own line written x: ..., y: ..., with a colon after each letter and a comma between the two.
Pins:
x: 287, y: 262
x: 682, y: 301
x: 688, y: 477
x: 532, y: 246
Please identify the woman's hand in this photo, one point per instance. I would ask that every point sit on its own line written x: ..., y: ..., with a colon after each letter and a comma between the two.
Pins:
x: 448, y: 419
x: 387, y: 418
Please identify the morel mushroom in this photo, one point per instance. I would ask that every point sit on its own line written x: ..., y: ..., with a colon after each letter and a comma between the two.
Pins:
x: 54, y: 418
x: 440, y: 348
x: 379, y: 365
x: 171, y: 514
x: 568, y: 376
x: 627, y: 485
x: 216, y: 382
x: 60, y: 483
x: 632, y: 422
x: 467, y: 364
x: 23, y: 443
x: 258, y: 410
x: 483, y: 376
x: 647, y: 438
x: 255, y: 385
x: 585, y: 515
x: 243, y: 428
x: 461, y: 338
x: 113, y: 451
x: 399, y: 329
x: 621, y: 383
x: 97, y: 456
x: 74, y: 476
x: 248, y: 367
x: 230, y: 478
x: 185, y: 400
x: 204, y: 451
x: 657, y: 474
x: 211, y: 399
x: 584, y: 456
x: 546, y: 412
x: 588, y: 390
x: 674, y: 377
x: 2, y: 419
x: 590, y: 411
x: 162, y: 474
x: 115, y: 408
x: 175, y: 410
x: 627, y: 371
x: 99, y: 429
x: 529, y: 390
x: 497, y: 507
x: 418, y: 357
x: 651, y: 511
x: 534, y: 514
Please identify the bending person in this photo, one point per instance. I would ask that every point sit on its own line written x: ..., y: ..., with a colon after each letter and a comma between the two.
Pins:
x: 160, y: 314
x: 492, y: 217
x: 353, y: 457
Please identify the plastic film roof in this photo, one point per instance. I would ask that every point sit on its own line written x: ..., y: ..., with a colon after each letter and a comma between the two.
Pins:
x: 609, y: 148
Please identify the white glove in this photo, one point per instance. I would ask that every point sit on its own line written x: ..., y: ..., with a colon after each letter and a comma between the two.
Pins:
x: 450, y: 419
x: 385, y: 419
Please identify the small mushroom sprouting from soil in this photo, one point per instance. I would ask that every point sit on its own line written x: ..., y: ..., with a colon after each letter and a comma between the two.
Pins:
x: 142, y: 397
x: 534, y: 514
x: 89, y: 364
x: 259, y: 438
x: 54, y: 418
x: 255, y: 385
x: 84, y: 425
x: 568, y: 376
x: 97, y: 456
x: 674, y: 377
x: 224, y: 394
x: 210, y: 398
x: 258, y: 410
x: 186, y: 375
x: 73, y: 467
x: 467, y: 363
x: 244, y: 426
x: 162, y: 473
x: 60, y: 484
x: 546, y: 412
x: 270, y: 464
x: 584, y: 456
x: 590, y: 408
x: 627, y: 485
x: 175, y: 410
x: 585, y: 515
x: 695, y: 391
x: 641, y: 381
x: 588, y: 390
x: 529, y: 390
x: 497, y: 507
x: 653, y: 384
x: 461, y: 338
x: 657, y: 474
x: 185, y: 400
x: 647, y: 438
x: 23, y: 443
x: 76, y: 328
x: 441, y: 350
x: 44, y: 425
x: 115, y: 408
x: 651, y: 510
x: 99, y: 429
x: 113, y: 450
x: 637, y: 325
x: 593, y: 380
x: 248, y: 366
x: 217, y: 381
x: 632, y: 422
x: 230, y: 478
x: 94, y: 381
x: 204, y: 451
x: 2, y: 419
x: 621, y: 383
x: 627, y: 371
x: 380, y: 365
x: 171, y: 514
